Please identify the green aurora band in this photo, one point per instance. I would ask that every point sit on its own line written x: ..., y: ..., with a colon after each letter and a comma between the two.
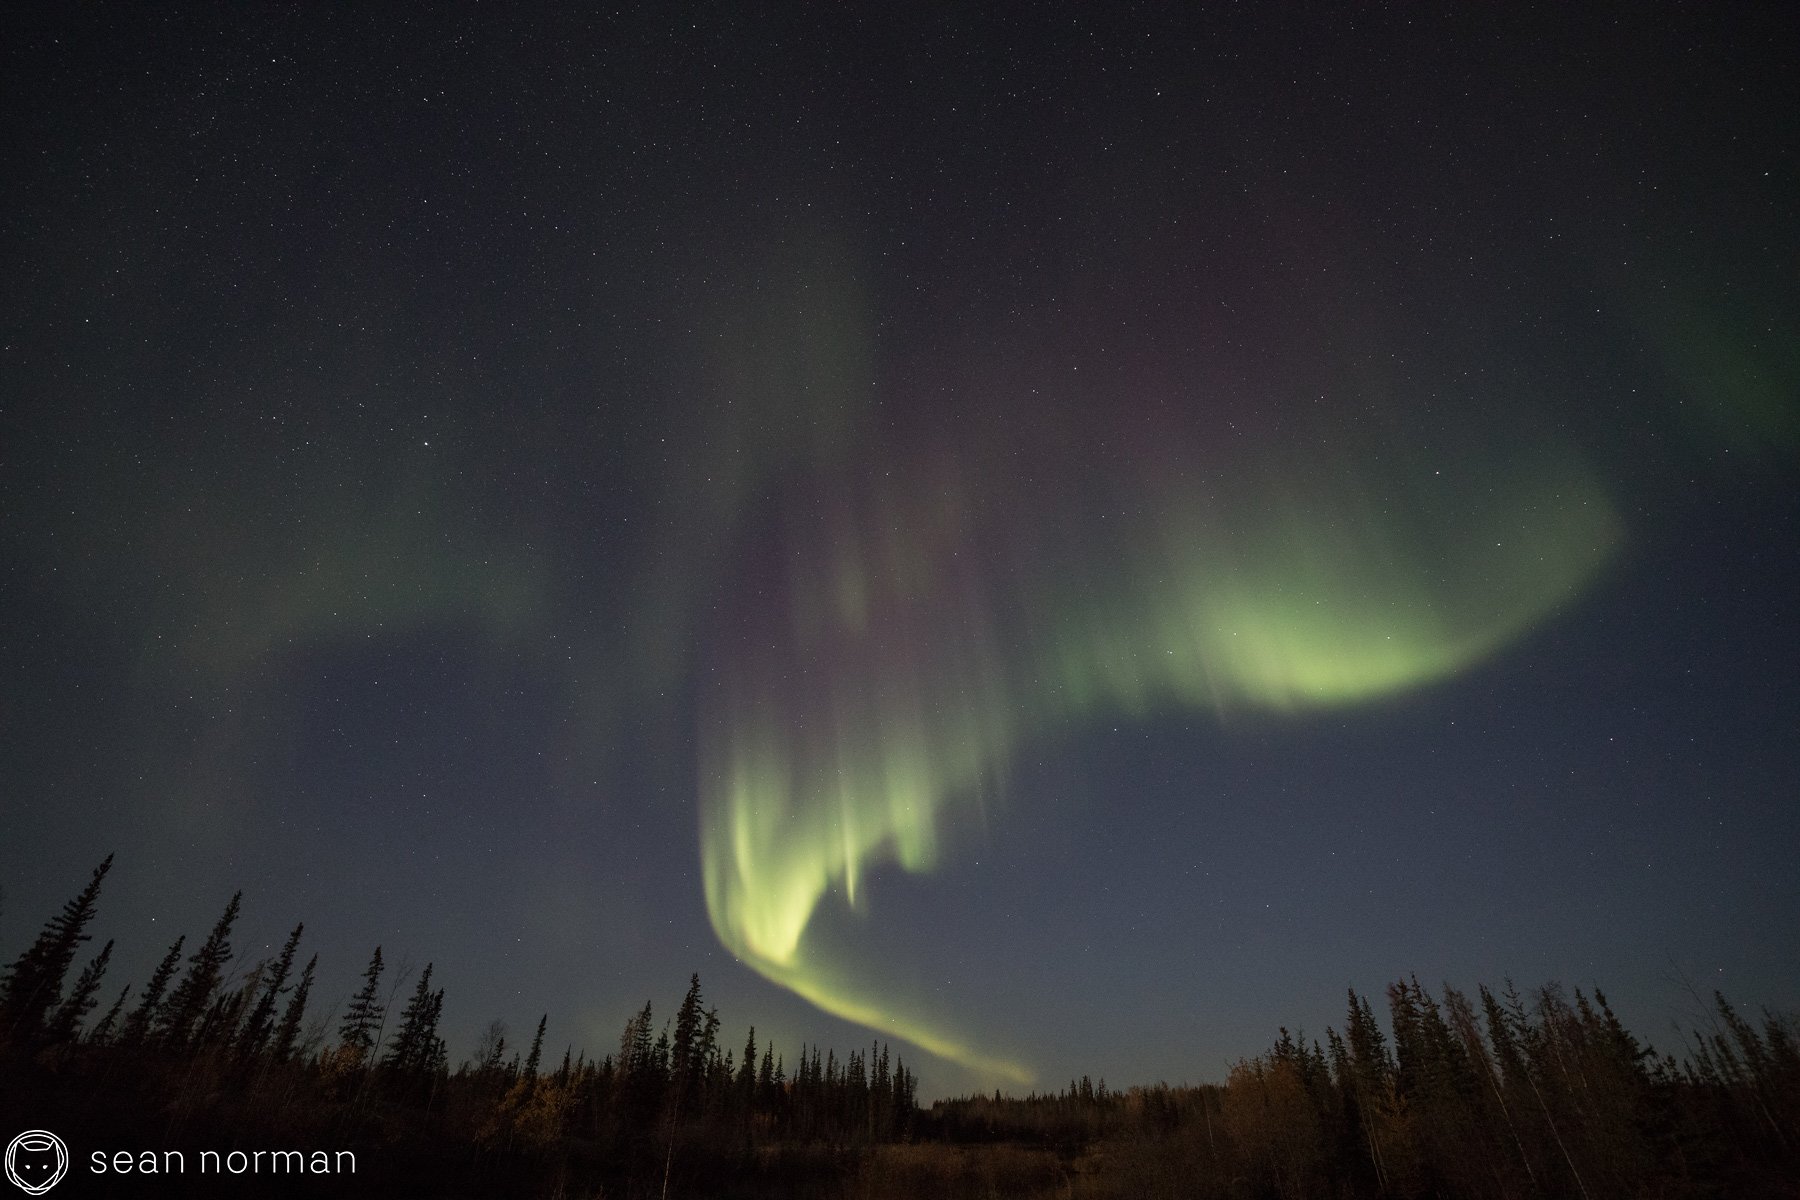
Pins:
x: 904, y: 626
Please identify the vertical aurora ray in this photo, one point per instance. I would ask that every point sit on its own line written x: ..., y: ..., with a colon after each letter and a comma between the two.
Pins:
x: 866, y: 687
x: 896, y: 632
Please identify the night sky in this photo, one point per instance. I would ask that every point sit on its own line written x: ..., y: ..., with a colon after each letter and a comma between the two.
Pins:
x: 1061, y: 542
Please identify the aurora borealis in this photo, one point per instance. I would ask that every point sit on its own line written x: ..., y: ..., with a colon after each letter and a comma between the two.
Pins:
x: 905, y: 628
x: 1049, y: 541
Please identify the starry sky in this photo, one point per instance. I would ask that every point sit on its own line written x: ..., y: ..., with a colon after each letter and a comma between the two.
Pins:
x: 1060, y: 541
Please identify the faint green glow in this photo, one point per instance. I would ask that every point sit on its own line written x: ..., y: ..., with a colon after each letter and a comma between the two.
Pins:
x: 921, y: 623
x: 1335, y: 600
x: 374, y: 560
x: 782, y: 379
x: 1737, y: 368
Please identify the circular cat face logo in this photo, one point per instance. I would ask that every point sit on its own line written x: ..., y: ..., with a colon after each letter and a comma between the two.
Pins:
x: 36, y: 1160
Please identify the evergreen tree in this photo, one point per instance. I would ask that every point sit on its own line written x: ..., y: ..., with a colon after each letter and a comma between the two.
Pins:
x: 414, y: 1046
x: 65, y: 1022
x: 706, y: 1053
x: 641, y: 1071
x: 261, y: 1022
x: 746, y: 1074
x: 440, y: 1054
x: 685, y: 1051
x: 1373, y: 1095
x: 659, y: 1057
x: 192, y: 998
x: 104, y: 1030
x: 1503, y: 1040
x: 1514, y: 1160
x: 223, y: 1019
x: 906, y: 1090
x: 364, y: 1016
x: 537, y: 1048
x: 149, y: 1008
x: 32, y: 985
x: 856, y: 1094
x: 287, y: 1034
x: 1624, y: 1047
x: 634, y: 1044
x: 1457, y: 1129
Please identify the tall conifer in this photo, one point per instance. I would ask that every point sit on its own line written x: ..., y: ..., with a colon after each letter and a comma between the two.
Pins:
x: 193, y: 996
x: 363, y: 1017
x: 32, y: 985
x: 287, y: 1034
x: 144, y: 1017
x: 261, y: 1023
x: 65, y: 1022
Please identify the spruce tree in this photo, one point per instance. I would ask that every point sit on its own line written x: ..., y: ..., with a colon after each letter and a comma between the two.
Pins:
x: 32, y: 985
x: 65, y: 1022
x: 104, y: 1030
x: 226, y: 1013
x: 906, y: 1086
x: 684, y: 1049
x: 144, y: 1017
x: 287, y: 1034
x: 193, y: 997
x: 634, y: 1043
x: 440, y: 1051
x: 746, y: 1076
x: 363, y: 1017
x: 1499, y: 1112
x: 537, y: 1049
x: 707, y: 1052
x: 261, y: 1022
x: 414, y: 1045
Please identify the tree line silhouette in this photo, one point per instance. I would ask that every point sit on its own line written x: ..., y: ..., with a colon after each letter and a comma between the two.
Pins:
x: 1496, y: 1095
x: 1500, y: 1095
x: 211, y: 1051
